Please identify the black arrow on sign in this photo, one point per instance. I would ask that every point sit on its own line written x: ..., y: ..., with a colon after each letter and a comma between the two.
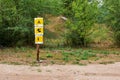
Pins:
x: 39, y: 30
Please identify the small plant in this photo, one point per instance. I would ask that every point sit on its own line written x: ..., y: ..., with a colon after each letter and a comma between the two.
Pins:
x: 29, y: 55
x: 96, y: 58
x: 34, y: 63
x: 15, y: 63
x: 42, y: 58
x: 106, y: 52
x: 87, y: 55
x: 49, y: 55
x: 65, y: 56
x: 39, y: 70
x: 109, y: 62
x: 52, y: 62
x: 81, y: 64
x: 48, y: 71
x: 76, y: 62
x: 77, y: 59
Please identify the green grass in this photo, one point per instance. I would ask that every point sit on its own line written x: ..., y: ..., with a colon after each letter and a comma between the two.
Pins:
x: 78, y: 55
x: 86, y: 55
x: 69, y: 55
x: 48, y: 55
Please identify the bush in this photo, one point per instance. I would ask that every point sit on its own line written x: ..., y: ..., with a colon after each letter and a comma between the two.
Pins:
x: 80, y: 24
x: 117, y: 38
x: 113, y: 17
x: 75, y: 35
x: 16, y: 19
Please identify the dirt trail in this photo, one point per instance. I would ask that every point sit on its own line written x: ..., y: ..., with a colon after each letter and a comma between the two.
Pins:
x: 60, y: 72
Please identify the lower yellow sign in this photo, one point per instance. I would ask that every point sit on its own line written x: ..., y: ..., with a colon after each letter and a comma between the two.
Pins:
x: 38, y: 39
x: 38, y: 30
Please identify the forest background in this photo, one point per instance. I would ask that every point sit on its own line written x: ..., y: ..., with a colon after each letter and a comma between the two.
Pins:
x: 89, y: 22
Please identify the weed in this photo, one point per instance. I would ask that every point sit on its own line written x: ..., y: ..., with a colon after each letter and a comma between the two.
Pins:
x: 105, y: 52
x: 48, y: 71
x: 77, y: 59
x: 65, y: 53
x: 15, y: 63
x: 117, y: 53
x: 60, y: 56
x: 108, y: 62
x: 21, y: 49
x: 49, y: 55
x: 65, y: 56
x: 96, y: 58
x: 42, y: 58
x: 90, y: 50
x: 52, y: 62
x: 29, y: 55
x: 75, y: 62
x: 4, y: 62
x: 85, y: 55
x: 39, y: 70
x: 34, y: 63
x: 81, y: 64
x: 71, y: 53
x: 18, y: 56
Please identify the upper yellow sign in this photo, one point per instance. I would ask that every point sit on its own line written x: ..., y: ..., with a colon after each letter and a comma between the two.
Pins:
x: 38, y: 21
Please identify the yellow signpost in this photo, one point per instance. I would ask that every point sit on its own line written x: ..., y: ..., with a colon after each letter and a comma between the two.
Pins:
x: 39, y: 32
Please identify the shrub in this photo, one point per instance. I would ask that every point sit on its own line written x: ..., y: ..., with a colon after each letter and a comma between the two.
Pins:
x: 79, y: 25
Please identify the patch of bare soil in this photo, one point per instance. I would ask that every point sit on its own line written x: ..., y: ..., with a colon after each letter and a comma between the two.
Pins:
x: 60, y: 72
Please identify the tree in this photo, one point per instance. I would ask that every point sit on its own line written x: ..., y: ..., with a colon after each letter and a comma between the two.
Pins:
x: 82, y: 18
x: 67, y: 7
x: 113, y: 17
x: 16, y: 19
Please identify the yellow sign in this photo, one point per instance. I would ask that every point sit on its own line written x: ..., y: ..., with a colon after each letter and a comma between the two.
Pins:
x: 38, y: 30
x: 38, y: 39
x: 38, y: 21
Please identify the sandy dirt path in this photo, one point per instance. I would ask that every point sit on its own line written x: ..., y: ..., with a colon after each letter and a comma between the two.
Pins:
x: 60, y: 72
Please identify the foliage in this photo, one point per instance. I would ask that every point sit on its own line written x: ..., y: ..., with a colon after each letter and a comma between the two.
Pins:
x: 17, y: 28
x: 26, y: 56
x: 101, y: 35
x: 113, y: 17
x: 16, y: 19
x: 67, y: 7
x: 117, y: 38
x: 49, y: 55
x: 79, y: 26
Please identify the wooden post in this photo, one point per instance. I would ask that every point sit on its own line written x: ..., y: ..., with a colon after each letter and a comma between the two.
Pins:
x: 37, y: 48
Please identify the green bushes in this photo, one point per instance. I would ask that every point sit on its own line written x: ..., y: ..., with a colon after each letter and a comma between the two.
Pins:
x: 16, y: 19
x: 76, y: 36
x: 117, y: 38
x: 112, y: 18
x: 17, y: 27
x: 79, y: 26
